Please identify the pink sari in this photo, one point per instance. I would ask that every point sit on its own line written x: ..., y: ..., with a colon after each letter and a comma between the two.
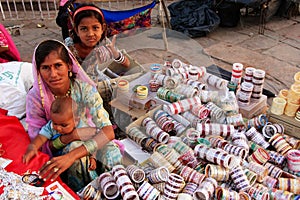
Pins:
x: 12, y: 54
x: 39, y: 98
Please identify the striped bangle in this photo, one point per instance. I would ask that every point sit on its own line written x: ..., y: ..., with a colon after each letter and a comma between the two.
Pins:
x: 120, y: 59
x: 57, y: 144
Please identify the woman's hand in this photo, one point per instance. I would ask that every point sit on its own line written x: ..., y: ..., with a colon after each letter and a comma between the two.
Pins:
x: 57, y: 165
x: 30, y: 153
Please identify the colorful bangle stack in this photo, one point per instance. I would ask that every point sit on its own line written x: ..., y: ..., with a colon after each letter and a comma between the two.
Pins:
x: 147, y: 192
x: 224, y: 130
x: 173, y: 186
x: 91, y: 193
x: 216, y: 112
x: 258, y: 81
x: 142, y: 92
x: 239, y: 138
x: 278, y: 106
x: 249, y: 74
x: 57, y: 144
x: 251, y: 176
x: 257, y: 137
x: 280, y: 144
x: 206, y: 189
x: 236, y: 73
x: 200, y: 86
x: 289, y: 184
x: 121, y: 59
x: 294, y: 142
x: 136, y: 134
x: 108, y: 185
x: 181, y: 105
x: 270, y: 182
x: 239, y: 178
x: 214, y: 81
x: 276, y: 158
x: 158, y: 175
x: 123, y: 85
x: 153, y: 130
x: 159, y: 160
x: 191, y: 175
x: 256, y: 193
x: 261, y: 156
x: 136, y: 174
x: 280, y: 194
x: 217, y: 172
x: 124, y: 183
x: 293, y: 160
x: 190, y: 188
x: 260, y: 170
x: 187, y: 90
x: 244, y: 94
x: 273, y: 170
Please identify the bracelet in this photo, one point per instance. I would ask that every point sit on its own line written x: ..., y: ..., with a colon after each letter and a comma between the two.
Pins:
x: 97, y: 130
x: 120, y: 59
x: 57, y: 144
x: 91, y: 146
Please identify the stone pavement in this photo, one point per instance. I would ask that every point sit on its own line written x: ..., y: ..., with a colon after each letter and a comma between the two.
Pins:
x: 277, y: 51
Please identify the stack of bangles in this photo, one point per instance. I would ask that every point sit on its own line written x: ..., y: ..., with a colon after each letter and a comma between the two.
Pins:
x: 121, y: 59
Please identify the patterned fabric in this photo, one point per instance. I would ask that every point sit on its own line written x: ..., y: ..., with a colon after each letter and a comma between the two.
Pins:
x: 12, y: 53
x: 139, y: 20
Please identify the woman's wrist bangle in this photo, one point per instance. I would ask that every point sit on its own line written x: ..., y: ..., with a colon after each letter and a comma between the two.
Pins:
x: 57, y: 144
x: 91, y: 146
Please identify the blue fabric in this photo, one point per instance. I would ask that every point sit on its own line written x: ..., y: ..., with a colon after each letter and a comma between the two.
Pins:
x: 115, y: 16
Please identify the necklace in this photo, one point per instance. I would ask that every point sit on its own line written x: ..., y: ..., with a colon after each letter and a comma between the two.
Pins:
x: 68, y: 93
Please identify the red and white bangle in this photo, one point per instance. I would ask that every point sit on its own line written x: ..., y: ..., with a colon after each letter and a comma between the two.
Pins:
x: 108, y: 185
x: 293, y: 160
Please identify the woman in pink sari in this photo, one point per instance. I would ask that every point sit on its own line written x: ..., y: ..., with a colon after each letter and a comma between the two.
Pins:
x: 8, y: 49
x: 57, y: 74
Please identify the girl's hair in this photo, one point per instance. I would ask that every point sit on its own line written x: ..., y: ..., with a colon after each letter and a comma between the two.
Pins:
x: 80, y: 13
x: 48, y: 46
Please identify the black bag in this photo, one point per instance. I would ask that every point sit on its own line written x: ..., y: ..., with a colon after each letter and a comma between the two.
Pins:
x: 229, y: 14
x: 193, y: 18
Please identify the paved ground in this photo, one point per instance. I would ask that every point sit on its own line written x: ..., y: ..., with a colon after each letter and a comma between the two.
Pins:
x: 277, y: 51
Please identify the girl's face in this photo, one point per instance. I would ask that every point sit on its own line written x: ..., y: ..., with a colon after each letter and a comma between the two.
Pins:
x: 54, y: 71
x: 89, y: 31
x: 63, y: 123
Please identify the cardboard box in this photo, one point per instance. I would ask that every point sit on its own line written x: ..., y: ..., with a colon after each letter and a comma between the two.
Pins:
x: 291, y: 126
x: 255, y: 108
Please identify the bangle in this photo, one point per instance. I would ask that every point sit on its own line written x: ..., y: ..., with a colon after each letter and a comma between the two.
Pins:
x: 120, y: 59
x: 57, y: 144
x: 91, y: 146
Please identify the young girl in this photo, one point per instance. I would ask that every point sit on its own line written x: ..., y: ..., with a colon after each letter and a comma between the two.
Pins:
x: 87, y: 42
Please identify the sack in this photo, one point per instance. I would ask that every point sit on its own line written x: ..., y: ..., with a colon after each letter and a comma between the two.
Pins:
x: 229, y: 14
x: 193, y: 18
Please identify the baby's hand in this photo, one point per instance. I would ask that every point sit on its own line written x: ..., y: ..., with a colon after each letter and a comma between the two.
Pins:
x: 30, y: 153
x: 93, y: 164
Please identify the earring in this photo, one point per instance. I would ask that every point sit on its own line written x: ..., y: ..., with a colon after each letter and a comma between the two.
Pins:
x: 70, y: 74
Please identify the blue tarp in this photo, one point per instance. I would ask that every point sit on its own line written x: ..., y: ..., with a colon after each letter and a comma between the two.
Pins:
x: 115, y: 16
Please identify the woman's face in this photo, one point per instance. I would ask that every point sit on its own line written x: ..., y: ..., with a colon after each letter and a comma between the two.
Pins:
x: 89, y: 30
x: 54, y: 71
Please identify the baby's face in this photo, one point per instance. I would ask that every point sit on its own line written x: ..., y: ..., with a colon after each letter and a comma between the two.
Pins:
x: 63, y: 123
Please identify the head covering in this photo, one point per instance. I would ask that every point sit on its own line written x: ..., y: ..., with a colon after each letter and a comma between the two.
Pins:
x: 44, y: 94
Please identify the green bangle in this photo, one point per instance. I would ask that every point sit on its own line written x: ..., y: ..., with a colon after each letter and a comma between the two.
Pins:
x: 91, y: 146
x: 57, y: 144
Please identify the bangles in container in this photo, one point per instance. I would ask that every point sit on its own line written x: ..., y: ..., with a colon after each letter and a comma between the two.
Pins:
x: 187, y: 90
x: 190, y: 188
x: 251, y: 176
x: 153, y: 130
x: 147, y: 192
x: 273, y: 170
x: 224, y: 193
x: 173, y: 186
x: 289, y: 184
x: 238, y: 138
x: 269, y: 182
x: 260, y: 155
x: 191, y: 175
x: 217, y: 172
x: 224, y: 130
x: 206, y: 189
x: 216, y: 113
x: 239, y: 178
x: 260, y: 170
x: 182, y: 105
x: 158, y: 175
x: 280, y: 144
x: 124, y: 183
x: 280, y: 194
x: 158, y: 160
x: 91, y: 193
x: 136, y: 134
x: 293, y: 160
x: 108, y: 185
x: 255, y: 136
x: 256, y: 193
x: 136, y: 174
x: 277, y: 158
